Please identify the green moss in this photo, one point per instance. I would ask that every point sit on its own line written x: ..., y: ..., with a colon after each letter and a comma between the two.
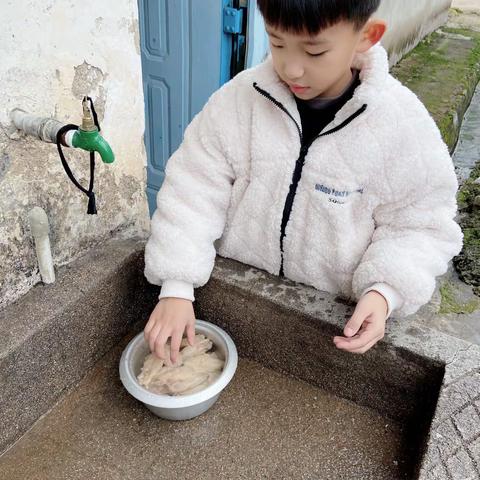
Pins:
x: 448, y: 129
x: 471, y: 236
x: 475, y: 174
x: 443, y: 71
x: 467, y: 263
x: 455, y: 11
x: 463, y: 195
x: 449, y: 304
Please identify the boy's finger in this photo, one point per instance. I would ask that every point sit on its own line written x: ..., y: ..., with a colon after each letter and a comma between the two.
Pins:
x: 175, y: 345
x: 366, y: 347
x: 366, y: 327
x: 152, y: 336
x: 160, y: 345
x: 191, y: 333
x: 356, y: 321
x: 365, y: 337
x: 150, y: 324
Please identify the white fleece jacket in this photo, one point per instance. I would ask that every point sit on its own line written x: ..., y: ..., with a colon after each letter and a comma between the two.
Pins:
x: 373, y: 209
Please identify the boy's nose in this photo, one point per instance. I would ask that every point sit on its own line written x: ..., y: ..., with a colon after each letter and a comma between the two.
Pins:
x: 293, y: 73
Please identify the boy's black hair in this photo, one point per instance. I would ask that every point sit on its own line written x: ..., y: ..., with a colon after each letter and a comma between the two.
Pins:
x: 312, y: 16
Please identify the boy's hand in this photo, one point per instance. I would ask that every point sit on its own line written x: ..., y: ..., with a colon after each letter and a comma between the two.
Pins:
x: 169, y: 318
x: 370, y: 314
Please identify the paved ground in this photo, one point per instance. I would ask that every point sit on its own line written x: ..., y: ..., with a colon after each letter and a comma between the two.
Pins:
x: 466, y: 4
x: 470, y: 17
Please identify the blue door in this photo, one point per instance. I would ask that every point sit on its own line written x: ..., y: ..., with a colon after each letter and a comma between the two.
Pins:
x: 189, y: 49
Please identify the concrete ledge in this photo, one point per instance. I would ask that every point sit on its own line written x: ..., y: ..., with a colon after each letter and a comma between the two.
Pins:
x: 415, y: 374
x: 427, y: 380
x: 56, y: 332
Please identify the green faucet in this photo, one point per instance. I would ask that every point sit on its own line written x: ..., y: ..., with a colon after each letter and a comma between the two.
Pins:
x: 88, y: 138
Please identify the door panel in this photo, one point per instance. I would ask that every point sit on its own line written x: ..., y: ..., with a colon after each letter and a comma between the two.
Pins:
x: 187, y: 54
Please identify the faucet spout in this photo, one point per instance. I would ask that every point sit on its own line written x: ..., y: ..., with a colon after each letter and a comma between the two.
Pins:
x: 92, y: 141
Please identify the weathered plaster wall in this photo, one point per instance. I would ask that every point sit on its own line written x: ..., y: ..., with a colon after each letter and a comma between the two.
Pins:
x: 53, y: 53
x: 408, y: 22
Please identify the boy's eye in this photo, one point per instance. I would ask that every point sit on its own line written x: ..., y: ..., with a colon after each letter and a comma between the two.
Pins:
x: 277, y: 46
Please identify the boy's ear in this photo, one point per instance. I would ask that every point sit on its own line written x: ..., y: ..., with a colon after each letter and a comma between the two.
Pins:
x: 371, y: 33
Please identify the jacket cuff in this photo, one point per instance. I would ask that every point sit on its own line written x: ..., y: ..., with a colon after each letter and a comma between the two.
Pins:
x: 177, y: 288
x: 391, y: 295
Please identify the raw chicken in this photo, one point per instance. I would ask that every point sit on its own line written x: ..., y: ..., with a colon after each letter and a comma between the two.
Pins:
x: 174, y: 383
x: 204, y: 363
x: 153, y: 366
x: 211, y: 378
x: 194, y: 370
x: 200, y: 346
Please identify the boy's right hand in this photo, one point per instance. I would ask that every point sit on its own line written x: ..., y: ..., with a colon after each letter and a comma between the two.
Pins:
x: 170, y: 318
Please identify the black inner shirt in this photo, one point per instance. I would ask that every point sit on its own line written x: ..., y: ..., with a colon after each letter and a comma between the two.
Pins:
x: 318, y: 112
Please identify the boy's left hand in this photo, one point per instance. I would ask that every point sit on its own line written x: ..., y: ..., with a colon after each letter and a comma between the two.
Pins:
x: 370, y: 314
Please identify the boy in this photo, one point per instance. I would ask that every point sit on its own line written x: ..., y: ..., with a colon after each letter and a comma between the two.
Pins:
x: 317, y: 165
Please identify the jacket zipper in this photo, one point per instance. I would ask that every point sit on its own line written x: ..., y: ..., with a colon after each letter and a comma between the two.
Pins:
x: 300, y: 162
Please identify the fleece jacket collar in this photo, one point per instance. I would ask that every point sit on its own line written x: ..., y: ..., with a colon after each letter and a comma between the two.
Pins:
x: 374, y: 70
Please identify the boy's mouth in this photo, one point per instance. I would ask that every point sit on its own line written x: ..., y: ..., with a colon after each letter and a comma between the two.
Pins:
x: 298, y: 88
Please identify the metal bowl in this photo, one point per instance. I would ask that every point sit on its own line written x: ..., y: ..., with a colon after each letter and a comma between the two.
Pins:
x: 182, y: 407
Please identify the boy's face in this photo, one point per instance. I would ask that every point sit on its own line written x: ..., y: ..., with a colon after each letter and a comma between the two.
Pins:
x: 322, y: 62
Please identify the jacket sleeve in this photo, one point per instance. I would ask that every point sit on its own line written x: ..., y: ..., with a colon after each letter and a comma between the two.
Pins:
x: 193, y: 200
x: 415, y: 232
x: 178, y: 289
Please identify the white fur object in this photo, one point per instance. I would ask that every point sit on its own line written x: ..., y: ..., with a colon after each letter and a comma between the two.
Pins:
x: 225, y: 188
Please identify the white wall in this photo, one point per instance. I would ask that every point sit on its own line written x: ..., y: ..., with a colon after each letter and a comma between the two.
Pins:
x: 408, y: 22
